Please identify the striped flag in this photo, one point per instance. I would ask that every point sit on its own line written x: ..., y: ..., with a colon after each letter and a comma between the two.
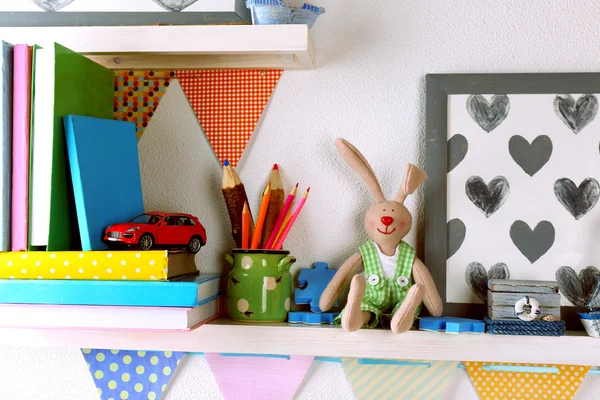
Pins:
x: 391, y: 379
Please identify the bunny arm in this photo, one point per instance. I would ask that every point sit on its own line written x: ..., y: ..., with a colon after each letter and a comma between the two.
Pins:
x: 432, y: 299
x: 341, y: 279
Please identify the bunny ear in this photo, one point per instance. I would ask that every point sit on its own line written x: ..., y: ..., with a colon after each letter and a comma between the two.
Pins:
x: 358, y: 163
x: 413, y: 177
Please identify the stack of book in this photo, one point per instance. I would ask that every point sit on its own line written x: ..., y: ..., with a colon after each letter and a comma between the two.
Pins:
x: 68, y: 171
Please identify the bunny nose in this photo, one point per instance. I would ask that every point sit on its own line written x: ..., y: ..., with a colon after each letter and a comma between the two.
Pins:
x: 387, y: 221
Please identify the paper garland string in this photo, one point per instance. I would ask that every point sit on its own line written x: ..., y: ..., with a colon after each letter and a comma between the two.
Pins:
x: 561, y: 385
x: 258, y: 377
x: 133, y: 375
x: 227, y: 103
x: 424, y: 380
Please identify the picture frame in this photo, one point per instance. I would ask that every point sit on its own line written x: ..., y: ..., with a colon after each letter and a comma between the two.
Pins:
x: 229, y: 12
x: 439, y: 90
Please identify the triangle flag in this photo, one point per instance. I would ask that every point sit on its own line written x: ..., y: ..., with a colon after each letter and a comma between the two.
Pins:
x: 258, y: 377
x: 396, y: 379
x: 137, y: 94
x: 133, y: 375
x: 228, y: 104
x: 518, y: 381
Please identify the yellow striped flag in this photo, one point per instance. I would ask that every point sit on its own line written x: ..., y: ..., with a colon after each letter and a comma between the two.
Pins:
x: 391, y: 379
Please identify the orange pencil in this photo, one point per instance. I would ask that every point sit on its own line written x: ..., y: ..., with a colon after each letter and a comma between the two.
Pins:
x: 279, y: 244
x: 261, y: 217
x: 245, y: 226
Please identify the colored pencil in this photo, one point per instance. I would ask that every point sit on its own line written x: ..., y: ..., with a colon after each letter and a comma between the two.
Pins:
x: 245, y: 226
x: 279, y: 244
x: 260, y: 220
x: 235, y: 197
x: 281, y: 218
x: 275, y: 206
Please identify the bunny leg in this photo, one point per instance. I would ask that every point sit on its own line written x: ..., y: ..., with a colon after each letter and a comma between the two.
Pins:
x: 353, y: 318
x: 405, y: 316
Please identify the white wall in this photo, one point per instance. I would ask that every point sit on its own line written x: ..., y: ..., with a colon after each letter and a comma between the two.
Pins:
x: 368, y: 88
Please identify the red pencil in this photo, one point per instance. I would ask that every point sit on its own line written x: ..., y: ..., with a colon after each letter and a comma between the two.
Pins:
x: 245, y: 226
x: 279, y: 244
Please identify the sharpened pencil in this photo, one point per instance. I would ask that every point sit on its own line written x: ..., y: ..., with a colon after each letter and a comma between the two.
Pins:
x: 245, y: 226
x: 279, y: 244
x: 260, y: 220
x: 281, y: 218
x: 276, y: 203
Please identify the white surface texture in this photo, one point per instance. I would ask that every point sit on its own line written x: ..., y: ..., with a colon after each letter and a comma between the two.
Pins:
x: 369, y: 88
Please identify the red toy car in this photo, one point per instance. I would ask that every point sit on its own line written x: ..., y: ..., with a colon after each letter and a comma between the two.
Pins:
x: 158, y: 229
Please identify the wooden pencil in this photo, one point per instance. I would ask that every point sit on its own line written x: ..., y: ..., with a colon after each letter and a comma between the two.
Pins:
x: 245, y: 226
x: 235, y: 197
x: 260, y: 220
x: 275, y: 206
x: 279, y: 244
x: 282, y: 218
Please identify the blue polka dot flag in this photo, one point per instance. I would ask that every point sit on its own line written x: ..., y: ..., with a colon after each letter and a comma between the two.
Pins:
x: 133, y: 375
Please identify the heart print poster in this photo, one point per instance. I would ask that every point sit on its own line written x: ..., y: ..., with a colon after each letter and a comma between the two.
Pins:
x: 523, y: 190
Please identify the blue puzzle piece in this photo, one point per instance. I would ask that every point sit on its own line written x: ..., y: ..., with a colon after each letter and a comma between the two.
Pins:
x: 314, y: 281
x: 305, y: 317
x: 451, y: 325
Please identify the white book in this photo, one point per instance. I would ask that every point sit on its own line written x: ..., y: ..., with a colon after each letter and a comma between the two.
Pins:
x: 107, y: 317
x: 42, y: 137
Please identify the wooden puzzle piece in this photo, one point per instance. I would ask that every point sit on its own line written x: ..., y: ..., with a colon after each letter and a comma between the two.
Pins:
x: 451, y: 325
x: 313, y: 282
x: 310, y: 318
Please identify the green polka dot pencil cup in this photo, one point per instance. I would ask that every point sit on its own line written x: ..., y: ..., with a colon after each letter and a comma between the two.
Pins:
x: 259, y: 285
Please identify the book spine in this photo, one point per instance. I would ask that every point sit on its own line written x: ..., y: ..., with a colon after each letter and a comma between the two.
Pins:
x: 89, y: 265
x: 6, y: 144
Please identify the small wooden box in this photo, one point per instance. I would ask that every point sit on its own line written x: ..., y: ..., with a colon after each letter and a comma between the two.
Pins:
x: 504, y: 293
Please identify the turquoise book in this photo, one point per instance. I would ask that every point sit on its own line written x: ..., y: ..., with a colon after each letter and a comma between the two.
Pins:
x: 105, y: 172
x: 184, y: 292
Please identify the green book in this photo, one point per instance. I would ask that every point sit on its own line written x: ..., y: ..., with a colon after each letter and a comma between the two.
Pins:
x: 66, y: 83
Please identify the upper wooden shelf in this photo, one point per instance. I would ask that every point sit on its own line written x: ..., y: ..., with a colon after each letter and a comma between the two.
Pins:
x: 180, y: 47
x: 224, y: 336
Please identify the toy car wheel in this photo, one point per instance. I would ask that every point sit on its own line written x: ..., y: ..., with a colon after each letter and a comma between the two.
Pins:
x: 146, y: 241
x: 195, y: 245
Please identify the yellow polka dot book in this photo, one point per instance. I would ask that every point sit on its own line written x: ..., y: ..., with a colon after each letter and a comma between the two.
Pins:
x: 101, y: 265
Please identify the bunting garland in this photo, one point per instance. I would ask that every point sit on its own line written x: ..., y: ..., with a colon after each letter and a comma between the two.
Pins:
x: 227, y: 103
x: 133, y: 375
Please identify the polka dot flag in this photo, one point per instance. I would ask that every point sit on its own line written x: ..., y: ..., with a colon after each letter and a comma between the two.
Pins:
x: 227, y: 103
x: 519, y: 383
x: 133, y: 375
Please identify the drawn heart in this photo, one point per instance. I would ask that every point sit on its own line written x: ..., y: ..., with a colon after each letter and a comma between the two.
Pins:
x: 578, y: 289
x: 175, y: 5
x: 455, y: 236
x: 488, y: 115
x: 52, y: 5
x: 532, y: 244
x: 577, y: 200
x: 488, y: 198
x: 576, y: 114
x: 457, y: 150
x: 477, y: 278
x: 531, y: 157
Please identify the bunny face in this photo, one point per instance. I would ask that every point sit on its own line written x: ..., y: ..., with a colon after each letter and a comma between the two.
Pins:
x: 387, y: 223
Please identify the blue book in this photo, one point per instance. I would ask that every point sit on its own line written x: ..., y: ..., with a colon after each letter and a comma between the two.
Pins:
x: 186, y: 292
x: 105, y: 171
x: 6, y: 116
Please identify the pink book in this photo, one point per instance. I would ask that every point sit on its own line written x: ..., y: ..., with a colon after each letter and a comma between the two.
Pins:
x: 20, y: 167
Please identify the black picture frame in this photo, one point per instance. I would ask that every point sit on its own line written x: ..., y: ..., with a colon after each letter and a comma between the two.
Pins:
x: 438, y: 88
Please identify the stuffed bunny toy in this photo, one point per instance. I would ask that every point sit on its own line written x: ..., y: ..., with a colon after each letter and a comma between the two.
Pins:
x: 386, y: 289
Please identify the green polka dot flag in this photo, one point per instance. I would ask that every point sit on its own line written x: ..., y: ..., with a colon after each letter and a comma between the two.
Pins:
x: 133, y: 375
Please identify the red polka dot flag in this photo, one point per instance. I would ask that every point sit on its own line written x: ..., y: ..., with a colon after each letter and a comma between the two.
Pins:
x: 228, y: 103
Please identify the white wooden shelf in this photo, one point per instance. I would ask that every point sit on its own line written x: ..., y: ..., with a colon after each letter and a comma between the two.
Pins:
x: 224, y: 336
x: 179, y: 47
